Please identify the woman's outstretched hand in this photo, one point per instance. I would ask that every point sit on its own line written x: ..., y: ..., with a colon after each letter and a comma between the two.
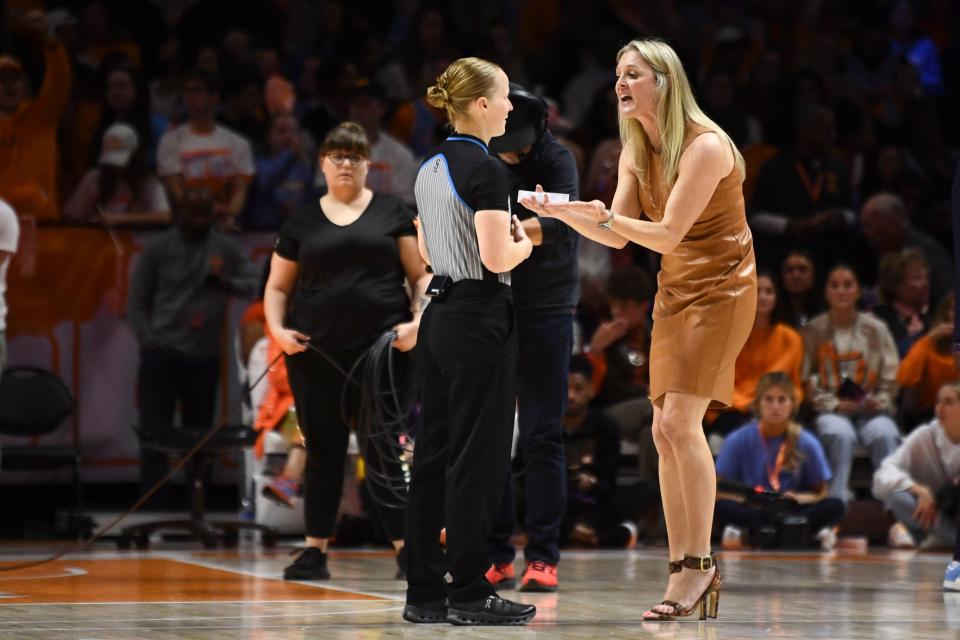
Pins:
x: 594, y: 210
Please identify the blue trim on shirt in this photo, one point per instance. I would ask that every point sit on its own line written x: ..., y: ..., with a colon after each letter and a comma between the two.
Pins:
x: 473, y: 140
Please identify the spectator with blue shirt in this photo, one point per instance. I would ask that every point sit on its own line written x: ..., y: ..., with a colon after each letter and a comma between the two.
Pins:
x: 774, y: 454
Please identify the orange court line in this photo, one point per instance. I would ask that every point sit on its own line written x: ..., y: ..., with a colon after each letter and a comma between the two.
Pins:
x: 150, y: 580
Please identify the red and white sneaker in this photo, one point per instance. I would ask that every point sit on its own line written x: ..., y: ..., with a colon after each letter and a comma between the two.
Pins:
x: 539, y: 577
x: 502, y: 576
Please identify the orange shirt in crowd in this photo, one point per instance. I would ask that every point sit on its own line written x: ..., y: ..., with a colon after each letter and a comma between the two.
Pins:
x: 29, y: 155
x: 774, y: 348
x: 927, y: 369
x: 279, y: 396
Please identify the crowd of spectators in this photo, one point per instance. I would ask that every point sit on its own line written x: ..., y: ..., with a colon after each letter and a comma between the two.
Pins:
x: 117, y: 113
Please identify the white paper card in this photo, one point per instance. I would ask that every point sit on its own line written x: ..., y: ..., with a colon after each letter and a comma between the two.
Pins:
x: 541, y: 195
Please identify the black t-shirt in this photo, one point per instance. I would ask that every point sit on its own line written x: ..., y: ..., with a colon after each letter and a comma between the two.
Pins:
x: 547, y: 281
x: 350, y: 288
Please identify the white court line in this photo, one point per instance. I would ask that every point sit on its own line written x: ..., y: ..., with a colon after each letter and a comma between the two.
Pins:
x: 264, y: 575
x: 128, y: 603
x: 69, y: 572
x: 233, y: 617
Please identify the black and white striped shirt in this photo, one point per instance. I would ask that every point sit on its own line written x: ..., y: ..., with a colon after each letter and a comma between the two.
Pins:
x: 459, y: 178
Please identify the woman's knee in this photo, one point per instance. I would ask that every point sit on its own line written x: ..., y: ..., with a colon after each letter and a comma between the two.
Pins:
x: 678, y: 430
x: 836, y: 427
x: 881, y: 427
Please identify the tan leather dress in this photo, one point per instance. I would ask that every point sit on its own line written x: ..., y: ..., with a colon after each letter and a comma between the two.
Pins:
x: 706, y: 299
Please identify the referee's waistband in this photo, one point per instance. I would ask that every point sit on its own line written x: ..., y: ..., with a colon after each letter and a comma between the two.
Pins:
x: 478, y: 288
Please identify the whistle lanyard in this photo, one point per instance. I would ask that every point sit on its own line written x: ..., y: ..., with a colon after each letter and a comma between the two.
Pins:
x: 773, y: 474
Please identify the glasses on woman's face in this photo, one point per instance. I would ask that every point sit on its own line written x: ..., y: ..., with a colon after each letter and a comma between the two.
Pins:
x: 339, y: 159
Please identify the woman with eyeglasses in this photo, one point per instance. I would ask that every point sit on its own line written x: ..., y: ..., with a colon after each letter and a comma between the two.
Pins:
x: 337, y: 282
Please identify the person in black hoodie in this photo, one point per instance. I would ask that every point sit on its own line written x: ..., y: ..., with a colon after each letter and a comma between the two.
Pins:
x: 545, y: 295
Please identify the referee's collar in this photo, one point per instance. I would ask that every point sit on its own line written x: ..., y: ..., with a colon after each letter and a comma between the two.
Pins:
x: 466, y: 137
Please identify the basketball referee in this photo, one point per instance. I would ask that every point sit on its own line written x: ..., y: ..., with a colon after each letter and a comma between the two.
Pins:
x: 468, y: 355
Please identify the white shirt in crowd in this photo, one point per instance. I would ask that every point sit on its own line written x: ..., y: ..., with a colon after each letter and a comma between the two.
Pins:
x: 9, y: 236
x: 926, y: 457
x: 205, y: 160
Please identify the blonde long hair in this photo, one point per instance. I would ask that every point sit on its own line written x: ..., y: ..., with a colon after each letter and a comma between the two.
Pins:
x: 677, y: 111
x: 792, y: 456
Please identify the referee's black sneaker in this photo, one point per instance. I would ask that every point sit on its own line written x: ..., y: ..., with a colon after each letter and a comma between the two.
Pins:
x: 426, y: 612
x: 311, y: 564
x: 492, y: 610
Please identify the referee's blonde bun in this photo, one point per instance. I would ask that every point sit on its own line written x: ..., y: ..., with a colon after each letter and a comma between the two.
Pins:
x: 461, y: 83
x: 437, y: 96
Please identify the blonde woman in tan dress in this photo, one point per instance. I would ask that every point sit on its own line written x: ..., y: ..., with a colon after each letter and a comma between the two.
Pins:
x: 684, y: 175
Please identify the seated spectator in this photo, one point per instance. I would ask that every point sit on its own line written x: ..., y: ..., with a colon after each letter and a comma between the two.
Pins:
x: 284, y: 179
x: 392, y: 165
x: 905, y: 289
x: 101, y: 36
x: 120, y: 190
x: 277, y: 413
x: 201, y: 154
x: 773, y: 454
x: 852, y: 363
x: 772, y: 346
x: 620, y: 354
x: 909, y: 42
x: 928, y: 366
x: 29, y: 152
x: 886, y: 226
x: 127, y: 100
x: 178, y: 301
x: 801, y: 299
x: 595, y: 516
x: 243, y: 108
x: 918, y: 482
x: 803, y: 195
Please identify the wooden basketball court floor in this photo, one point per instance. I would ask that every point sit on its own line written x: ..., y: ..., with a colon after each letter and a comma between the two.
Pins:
x: 189, y: 594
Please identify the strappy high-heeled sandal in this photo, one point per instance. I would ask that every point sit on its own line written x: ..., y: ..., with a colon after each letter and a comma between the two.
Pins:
x: 676, y: 566
x: 709, y: 600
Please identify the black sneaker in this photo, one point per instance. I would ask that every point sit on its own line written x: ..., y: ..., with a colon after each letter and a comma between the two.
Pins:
x: 426, y: 612
x: 492, y: 610
x: 311, y: 564
x: 402, y: 564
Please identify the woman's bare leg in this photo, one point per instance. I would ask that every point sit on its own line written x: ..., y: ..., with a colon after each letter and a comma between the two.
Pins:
x: 690, y: 466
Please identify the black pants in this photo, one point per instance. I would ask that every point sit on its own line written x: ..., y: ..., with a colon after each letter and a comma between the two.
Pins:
x: 317, y: 389
x: 545, y: 345
x: 467, y: 352
x: 823, y: 513
x: 165, y: 380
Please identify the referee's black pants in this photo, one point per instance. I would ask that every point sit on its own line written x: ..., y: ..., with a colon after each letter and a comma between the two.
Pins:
x: 467, y: 352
